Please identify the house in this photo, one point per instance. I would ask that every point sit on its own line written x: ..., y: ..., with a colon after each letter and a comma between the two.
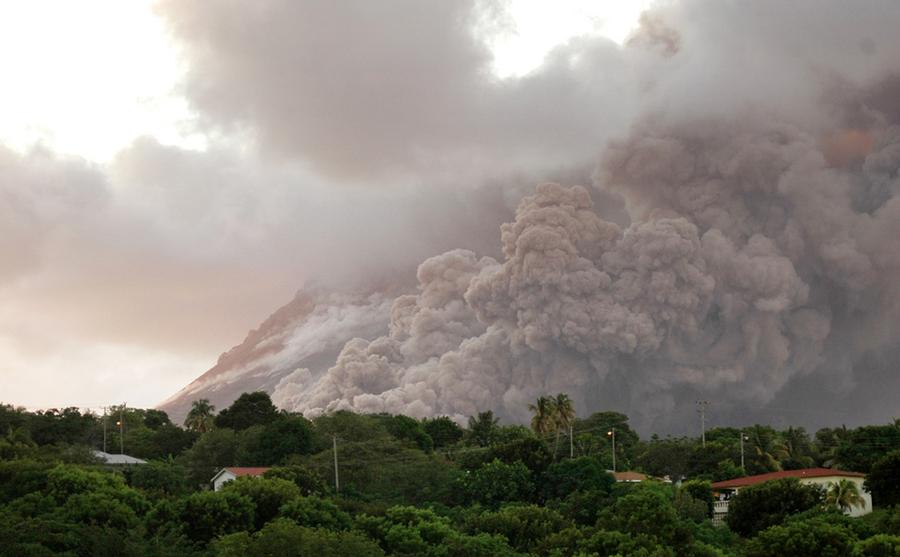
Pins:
x: 807, y: 476
x: 226, y: 475
x: 120, y: 459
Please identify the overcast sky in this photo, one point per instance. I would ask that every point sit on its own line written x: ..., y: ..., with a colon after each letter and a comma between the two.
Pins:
x: 171, y: 172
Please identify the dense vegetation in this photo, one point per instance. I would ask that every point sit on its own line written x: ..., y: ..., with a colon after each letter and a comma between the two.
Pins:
x: 426, y: 487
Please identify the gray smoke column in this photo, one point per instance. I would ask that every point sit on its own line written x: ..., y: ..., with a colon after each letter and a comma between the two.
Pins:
x: 759, y: 263
x: 749, y: 263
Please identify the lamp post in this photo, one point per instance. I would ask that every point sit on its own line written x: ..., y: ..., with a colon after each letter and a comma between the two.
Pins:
x: 743, y: 438
x: 612, y: 435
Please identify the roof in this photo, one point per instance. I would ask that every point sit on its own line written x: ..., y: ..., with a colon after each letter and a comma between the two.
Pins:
x: 238, y: 471
x: 629, y: 476
x: 800, y: 474
x: 118, y: 458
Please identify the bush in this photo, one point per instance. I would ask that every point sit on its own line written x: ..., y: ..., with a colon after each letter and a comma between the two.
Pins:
x: 758, y: 507
x: 267, y: 494
x: 497, y: 482
x: 286, y: 539
x: 210, y: 514
x: 314, y: 512
x: 579, y: 474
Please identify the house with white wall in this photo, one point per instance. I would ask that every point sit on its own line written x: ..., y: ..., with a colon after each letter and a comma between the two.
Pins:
x: 823, y: 477
x: 232, y: 473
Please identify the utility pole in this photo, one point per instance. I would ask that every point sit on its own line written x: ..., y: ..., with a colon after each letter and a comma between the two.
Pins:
x: 612, y: 435
x: 701, y: 408
x: 104, y: 429
x: 337, y: 484
x: 122, y: 428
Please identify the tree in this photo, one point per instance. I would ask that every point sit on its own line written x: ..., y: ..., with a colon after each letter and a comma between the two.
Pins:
x: 210, y: 514
x: 284, y: 538
x: 443, y: 431
x: 866, y: 445
x: 844, y: 495
x: 497, y: 482
x: 268, y: 495
x: 524, y: 526
x: 200, y: 418
x: 882, y: 482
x: 309, y: 481
x: 802, y: 538
x: 483, y: 428
x: 881, y: 545
x: 544, y: 419
x: 794, y: 449
x: 564, y: 415
x: 579, y: 474
x: 760, y: 506
x: 248, y: 410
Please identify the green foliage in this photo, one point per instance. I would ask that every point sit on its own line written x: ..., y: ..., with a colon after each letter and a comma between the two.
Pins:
x: 248, y: 410
x: 596, y: 428
x: 315, y: 512
x: 580, y: 474
x: 530, y: 451
x: 865, y: 445
x: 497, y: 482
x: 207, y: 515
x: 443, y: 431
x: 158, y: 479
x: 758, y: 507
x: 881, y: 545
x: 283, y: 538
x: 309, y: 481
x: 699, y: 490
x: 273, y: 443
x: 524, y: 526
x: 267, y: 494
x: 200, y: 418
x: 665, y: 457
x: 404, y: 428
x: 215, y: 449
x: 646, y: 511
x: 809, y: 538
x: 883, y: 482
x: 483, y: 429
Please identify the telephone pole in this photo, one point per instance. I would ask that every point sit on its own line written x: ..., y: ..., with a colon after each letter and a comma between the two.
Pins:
x: 701, y: 408
x: 122, y: 428
x: 104, y: 429
x: 337, y: 484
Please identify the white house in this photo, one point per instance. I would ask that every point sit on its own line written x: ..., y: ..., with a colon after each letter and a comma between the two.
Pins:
x: 232, y: 473
x: 807, y: 476
x: 117, y: 458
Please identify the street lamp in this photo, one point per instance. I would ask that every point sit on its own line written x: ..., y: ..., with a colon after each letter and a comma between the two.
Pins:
x: 612, y: 435
x: 743, y: 438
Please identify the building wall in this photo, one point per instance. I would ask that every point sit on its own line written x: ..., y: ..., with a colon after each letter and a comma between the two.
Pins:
x: 825, y: 482
x: 222, y: 479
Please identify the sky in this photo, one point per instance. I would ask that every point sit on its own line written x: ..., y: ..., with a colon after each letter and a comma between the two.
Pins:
x: 156, y: 204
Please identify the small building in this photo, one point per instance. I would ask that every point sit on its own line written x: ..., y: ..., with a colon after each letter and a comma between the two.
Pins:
x: 118, y: 459
x: 232, y: 473
x: 630, y: 477
x: 808, y: 476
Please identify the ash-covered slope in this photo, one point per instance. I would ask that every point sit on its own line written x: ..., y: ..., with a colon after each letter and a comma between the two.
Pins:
x: 307, y: 334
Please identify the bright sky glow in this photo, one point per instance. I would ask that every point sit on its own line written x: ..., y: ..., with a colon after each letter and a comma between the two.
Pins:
x: 87, y: 77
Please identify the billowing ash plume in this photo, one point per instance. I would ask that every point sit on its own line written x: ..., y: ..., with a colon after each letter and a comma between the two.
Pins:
x: 749, y: 262
x: 755, y: 149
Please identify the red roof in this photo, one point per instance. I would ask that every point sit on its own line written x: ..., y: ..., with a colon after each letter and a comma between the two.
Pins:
x: 804, y: 473
x: 247, y: 471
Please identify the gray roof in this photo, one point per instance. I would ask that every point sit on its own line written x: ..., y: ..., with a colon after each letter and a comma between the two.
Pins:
x: 118, y: 458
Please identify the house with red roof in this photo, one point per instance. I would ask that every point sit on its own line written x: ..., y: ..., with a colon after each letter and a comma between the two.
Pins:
x: 824, y: 477
x: 232, y: 473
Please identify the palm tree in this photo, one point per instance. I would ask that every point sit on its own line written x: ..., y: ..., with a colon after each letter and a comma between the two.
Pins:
x: 544, y: 419
x: 200, y: 418
x: 565, y: 417
x: 844, y: 494
x: 483, y: 428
